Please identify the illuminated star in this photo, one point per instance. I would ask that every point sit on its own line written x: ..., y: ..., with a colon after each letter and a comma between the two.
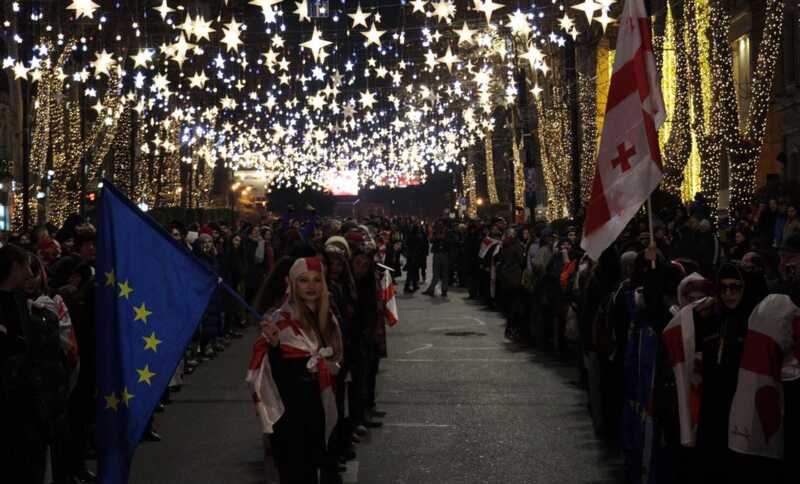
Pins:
x: 536, y: 90
x: 125, y: 290
x: 232, y: 38
x: 143, y: 58
x: 202, y: 28
x: 373, y: 36
x: 449, y: 59
x: 83, y: 8
x: 103, y: 62
x: 266, y: 8
x: 111, y: 279
x: 430, y: 59
x: 604, y: 20
x: 533, y: 55
x: 141, y: 313
x: 198, y: 80
x: 164, y: 9
x: 518, y: 23
x: 126, y: 396
x: 443, y: 10
x: 151, y: 342
x: 145, y: 375
x: 419, y: 5
x: 316, y: 44
x: 367, y: 99
x: 112, y: 401
x: 465, y: 34
x: 302, y: 10
x: 488, y: 7
x: 589, y: 7
x: 359, y: 17
x: 20, y: 71
x: 566, y: 22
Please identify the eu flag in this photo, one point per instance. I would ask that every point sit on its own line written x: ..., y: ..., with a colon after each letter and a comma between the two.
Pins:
x: 151, y: 293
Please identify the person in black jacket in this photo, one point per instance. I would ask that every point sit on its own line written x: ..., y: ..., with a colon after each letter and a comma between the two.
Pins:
x: 22, y: 447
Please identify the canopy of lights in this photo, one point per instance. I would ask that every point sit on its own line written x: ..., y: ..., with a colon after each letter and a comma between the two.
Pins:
x: 304, y: 92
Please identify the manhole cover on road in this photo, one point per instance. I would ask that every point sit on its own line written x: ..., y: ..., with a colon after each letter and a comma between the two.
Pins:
x: 464, y: 333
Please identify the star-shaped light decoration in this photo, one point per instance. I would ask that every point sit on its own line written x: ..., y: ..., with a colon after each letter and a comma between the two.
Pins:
x: 83, y: 8
x: 198, y: 80
x: 20, y: 71
x: 419, y: 5
x: 589, y: 7
x: 444, y: 10
x: 533, y: 55
x: 605, y: 20
x: 164, y: 9
x: 465, y: 34
x: 488, y: 7
x: 518, y: 23
x: 103, y: 62
x: 367, y: 99
x: 449, y: 59
x: 143, y: 58
x: 373, y: 36
x: 302, y: 10
x: 316, y: 44
x: 566, y: 23
x: 359, y: 17
x: 266, y: 8
x: 536, y: 91
x: 430, y: 59
x: 232, y: 38
x: 202, y: 28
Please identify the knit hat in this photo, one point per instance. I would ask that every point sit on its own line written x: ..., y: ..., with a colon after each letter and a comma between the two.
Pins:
x: 337, y: 242
x: 303, y: 265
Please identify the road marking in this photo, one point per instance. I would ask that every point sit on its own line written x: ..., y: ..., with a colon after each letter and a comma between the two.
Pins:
x: 478, y: 322
x: 416, y: 425
x: 421, y: 348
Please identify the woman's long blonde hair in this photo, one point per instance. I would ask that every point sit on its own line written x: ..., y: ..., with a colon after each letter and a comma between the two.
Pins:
x: 319, y: 325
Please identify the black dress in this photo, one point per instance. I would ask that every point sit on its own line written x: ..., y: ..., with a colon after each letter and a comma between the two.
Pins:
x: 298, y: 441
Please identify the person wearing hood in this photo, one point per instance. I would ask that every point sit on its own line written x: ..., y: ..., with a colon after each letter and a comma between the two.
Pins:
x: 720, y: 331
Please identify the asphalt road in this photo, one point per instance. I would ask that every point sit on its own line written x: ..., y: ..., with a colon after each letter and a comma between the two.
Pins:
x: 463, y: 406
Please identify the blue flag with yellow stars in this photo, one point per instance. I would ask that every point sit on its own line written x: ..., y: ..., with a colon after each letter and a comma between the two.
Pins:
x: 151, y: 293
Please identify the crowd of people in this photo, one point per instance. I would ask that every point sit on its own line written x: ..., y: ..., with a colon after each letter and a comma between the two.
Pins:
x: 686, y: 337
x: 687, y: 340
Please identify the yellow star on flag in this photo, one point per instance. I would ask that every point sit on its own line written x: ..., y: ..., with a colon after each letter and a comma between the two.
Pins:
x: 151, y: 342
x: 141, y: 313
x: 145, y: 375
x: 126, y: 396
x: 111, y: 279
x: 125, y: 290
x: 112, y: 401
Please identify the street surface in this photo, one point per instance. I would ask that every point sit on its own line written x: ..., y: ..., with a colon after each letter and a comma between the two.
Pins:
x: 463, y: 406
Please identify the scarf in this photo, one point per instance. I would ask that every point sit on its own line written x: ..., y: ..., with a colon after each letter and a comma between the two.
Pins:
x: 772, y: 342
x: 679, y: 341
x: 295, y: 343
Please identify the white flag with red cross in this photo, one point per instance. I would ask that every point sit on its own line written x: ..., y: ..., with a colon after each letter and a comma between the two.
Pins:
x: 628, y: 163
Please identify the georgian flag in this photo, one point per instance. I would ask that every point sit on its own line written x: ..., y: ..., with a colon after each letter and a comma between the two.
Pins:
x: 686, y: 361
x: 755, y: 426
x: 387, y: 296
x: 628, y: 163
x: 486, y: 244
x: 294, y: 344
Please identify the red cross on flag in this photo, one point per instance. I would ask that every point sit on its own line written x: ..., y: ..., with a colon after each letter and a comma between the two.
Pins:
x: 628, y: 163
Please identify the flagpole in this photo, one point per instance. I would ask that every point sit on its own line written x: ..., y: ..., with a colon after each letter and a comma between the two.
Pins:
x: 650, y: 224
